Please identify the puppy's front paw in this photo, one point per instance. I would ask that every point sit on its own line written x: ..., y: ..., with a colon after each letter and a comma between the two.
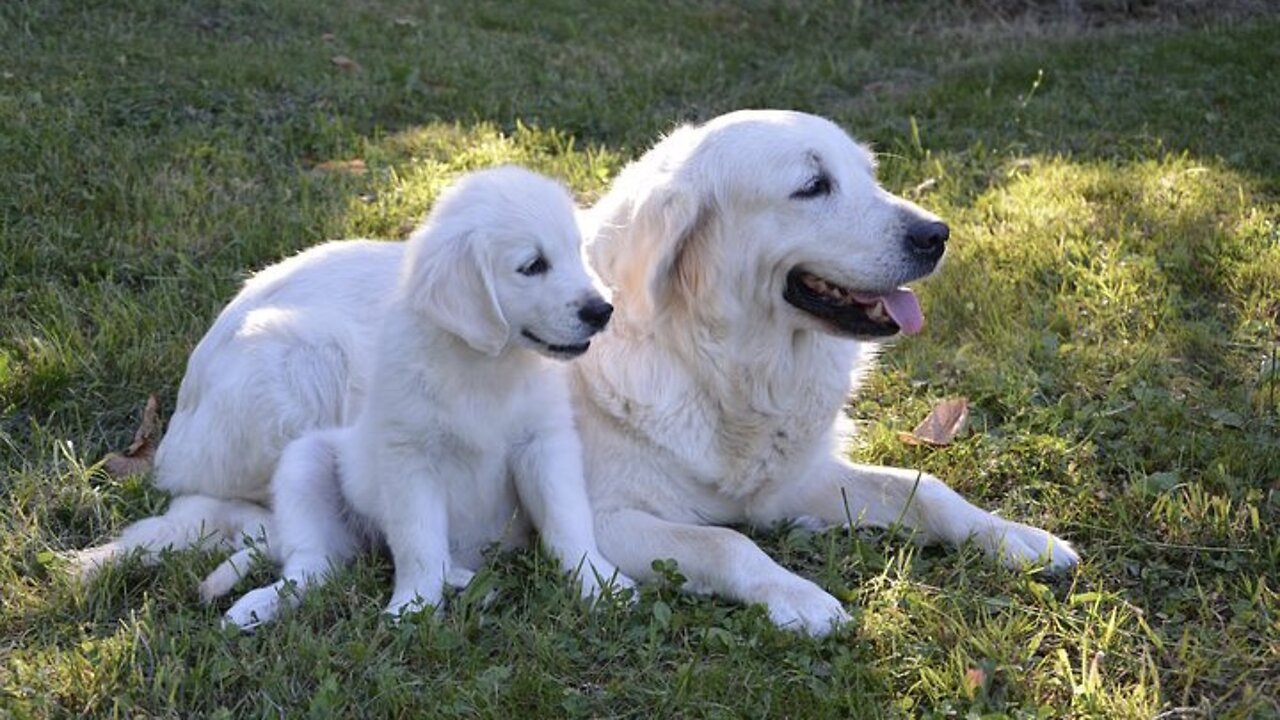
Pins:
x: 1019, y: 545
x: 798, y: 604
x: 407, y: 603
x: 459, y: 577
x: 597, y: 574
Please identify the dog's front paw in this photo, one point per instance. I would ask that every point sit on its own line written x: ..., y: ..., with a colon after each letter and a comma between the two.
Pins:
x: 800, y: 605
x: 1019, y: 545
x: 256, y: 607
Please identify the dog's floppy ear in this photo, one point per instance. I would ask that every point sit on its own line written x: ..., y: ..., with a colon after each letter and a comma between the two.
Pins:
x: 450, y: 281
x: 675, y: 220
x: 649, y: 254
x: 650, y: 226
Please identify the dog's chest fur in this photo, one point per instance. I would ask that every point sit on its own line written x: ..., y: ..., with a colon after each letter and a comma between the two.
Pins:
x: 762, y: 427
x: 734, y: 424
x: 769, y: 411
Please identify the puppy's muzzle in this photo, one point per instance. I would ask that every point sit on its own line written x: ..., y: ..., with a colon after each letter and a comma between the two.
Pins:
x: 595, y: 313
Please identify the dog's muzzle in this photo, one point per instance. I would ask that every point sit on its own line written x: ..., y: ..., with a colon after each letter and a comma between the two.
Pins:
x: 851, y: 312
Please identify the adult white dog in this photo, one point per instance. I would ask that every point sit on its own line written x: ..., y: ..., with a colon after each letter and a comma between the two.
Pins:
x: 753, y: 260
x: 465, y: 420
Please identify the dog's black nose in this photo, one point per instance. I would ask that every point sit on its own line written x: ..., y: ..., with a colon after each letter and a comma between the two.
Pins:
x: 928, y: 239
x: 596, y: 313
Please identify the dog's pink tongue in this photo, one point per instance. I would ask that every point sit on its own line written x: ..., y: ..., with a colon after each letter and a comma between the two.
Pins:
x: 902, y: 306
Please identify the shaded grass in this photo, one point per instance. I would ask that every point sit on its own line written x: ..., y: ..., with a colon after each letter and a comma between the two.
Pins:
x: 1109, y: 307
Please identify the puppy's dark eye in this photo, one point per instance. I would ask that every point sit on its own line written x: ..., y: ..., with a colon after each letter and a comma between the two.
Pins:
x: 818, y: 186
x: 537, y: 266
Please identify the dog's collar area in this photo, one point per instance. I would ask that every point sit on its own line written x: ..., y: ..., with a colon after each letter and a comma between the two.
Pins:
x: 558, y: 350
x: 846, y: 311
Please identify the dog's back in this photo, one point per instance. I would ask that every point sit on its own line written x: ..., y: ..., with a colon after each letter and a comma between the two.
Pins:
x: 287, y: 355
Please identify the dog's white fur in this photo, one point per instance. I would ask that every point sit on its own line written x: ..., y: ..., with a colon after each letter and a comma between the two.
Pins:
x: 709, y: 401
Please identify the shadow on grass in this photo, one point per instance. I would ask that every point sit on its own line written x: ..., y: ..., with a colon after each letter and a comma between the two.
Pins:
x: 1106, y: 311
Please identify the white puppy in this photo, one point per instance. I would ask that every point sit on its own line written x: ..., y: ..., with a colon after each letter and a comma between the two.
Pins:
x: 754, y: 261
x: 467, y: 435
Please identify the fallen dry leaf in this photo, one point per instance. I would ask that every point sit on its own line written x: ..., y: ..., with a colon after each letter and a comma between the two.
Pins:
x: 341, y: 167
x: 974, y: 679
x: 136, y: 459
x: 942, y: 424
x: 345, y: 63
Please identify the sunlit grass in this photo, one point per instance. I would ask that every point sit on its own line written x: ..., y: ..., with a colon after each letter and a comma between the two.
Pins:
x: 1108, y: 306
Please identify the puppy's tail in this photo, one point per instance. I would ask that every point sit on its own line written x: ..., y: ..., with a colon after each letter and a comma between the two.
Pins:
x: 191, y: 521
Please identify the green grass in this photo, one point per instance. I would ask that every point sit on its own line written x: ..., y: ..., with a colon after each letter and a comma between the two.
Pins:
x: 1109, y: 307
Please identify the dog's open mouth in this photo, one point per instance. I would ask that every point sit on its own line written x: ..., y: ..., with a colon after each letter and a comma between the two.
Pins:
x: 565, y: 351
x: 852, y: 312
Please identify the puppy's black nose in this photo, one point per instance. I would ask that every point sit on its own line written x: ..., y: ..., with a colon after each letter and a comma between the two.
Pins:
x: 928, y: 239
x: 596, y: 313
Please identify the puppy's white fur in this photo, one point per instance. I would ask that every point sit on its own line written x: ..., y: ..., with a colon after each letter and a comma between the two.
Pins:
x: 465, y: 421
x: 709, y: 401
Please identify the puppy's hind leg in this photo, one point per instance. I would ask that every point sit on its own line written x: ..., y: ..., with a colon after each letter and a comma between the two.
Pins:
x: 312, y: 535
x: 255, y: 540
x: 226, y: 575
x: 190, y: 521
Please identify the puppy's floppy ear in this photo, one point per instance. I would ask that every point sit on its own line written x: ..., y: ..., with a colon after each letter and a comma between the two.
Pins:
x: 450, y: 281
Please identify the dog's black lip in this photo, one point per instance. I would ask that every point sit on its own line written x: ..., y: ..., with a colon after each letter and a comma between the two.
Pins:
x: 850, y: 320
x: 569, y: 350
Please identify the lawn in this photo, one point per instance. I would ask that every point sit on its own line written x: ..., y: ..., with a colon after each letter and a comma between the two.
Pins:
x: 1110, y: 170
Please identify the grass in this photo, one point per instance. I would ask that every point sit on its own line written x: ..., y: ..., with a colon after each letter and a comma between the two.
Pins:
x: 1109, y: 307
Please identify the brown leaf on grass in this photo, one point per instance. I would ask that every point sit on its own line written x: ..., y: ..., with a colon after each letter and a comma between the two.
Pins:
x: 346, y: 63
x: 942, y: 424
x: 136, y: 459
x: 341, y: 167
x: 974, y: 680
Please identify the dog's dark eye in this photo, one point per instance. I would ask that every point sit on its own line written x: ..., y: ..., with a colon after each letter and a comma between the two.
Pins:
x: 818, y: 186
x: 537, y: 266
